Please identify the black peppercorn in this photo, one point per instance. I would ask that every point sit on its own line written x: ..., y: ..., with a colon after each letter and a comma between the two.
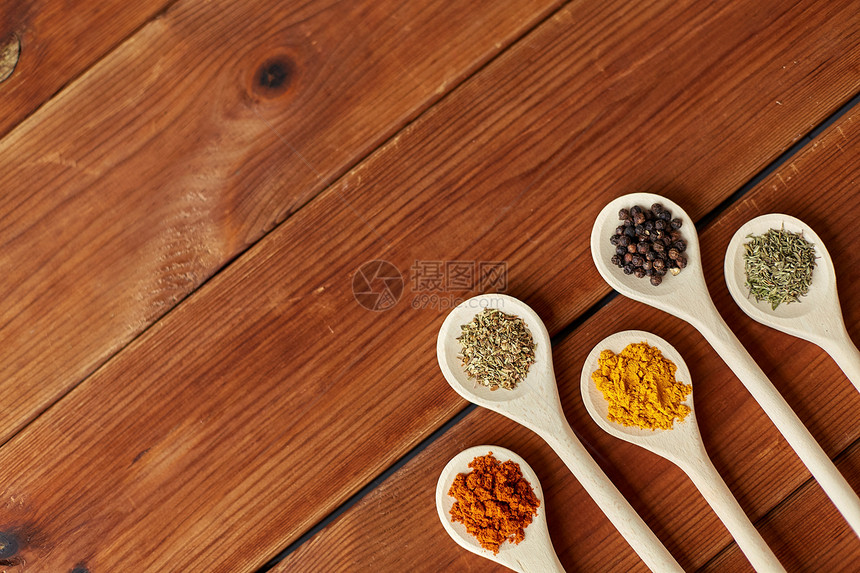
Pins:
x: 675, y: 235
x: 630, y: 231
x: 639, y: 218
x: 616, y: 260
x: 676, y: 223
x: 624, y: 240
x: 659, y: 224
x: 674, y: 253
x: 647, y: 265
x: 681, y: 261
x: 624, y: 214
x: 665, y: 215
x: 619, y: 230
x: 656, y: 280
x: 614, y: 240
x: 657, y: 208
x: 681, y: 245
x: 660, y: 272
x: 643, y: 248
x: 637, y: 261
x: 627, y: 258
x: 659, y: 264
x: 631, y: 248
x: 658, y: 247
x: 639, y: 272
x: 619, y: 250
x: 650, y: 255
x: 649, y: 226
x: 628, y: 269
x: 635, y: 210
x: 640, y: 230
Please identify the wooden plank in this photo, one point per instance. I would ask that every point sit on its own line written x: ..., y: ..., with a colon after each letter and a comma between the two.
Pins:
x: 269, y: 396
x: 809, y: 520
x: 168, y: 158
x: 395, y: 527
x: 58, y: 42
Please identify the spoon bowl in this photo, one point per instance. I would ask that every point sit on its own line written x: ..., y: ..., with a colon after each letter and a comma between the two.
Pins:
x: 682, y: 445
x: 817, y: 316
x: 689, y: 280
x: 666, y: 443
x: 534, y: 552
x: 822, y: 290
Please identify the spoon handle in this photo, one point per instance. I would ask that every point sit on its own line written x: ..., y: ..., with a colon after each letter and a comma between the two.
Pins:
x: 845, y: 354
x: 619, y: 511
x: 712, y: 326
x: 715, y: 491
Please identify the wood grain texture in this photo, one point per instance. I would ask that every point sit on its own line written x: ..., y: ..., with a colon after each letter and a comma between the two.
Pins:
x: 188, y: 143
x: 808, y: 519
x: 59, y: 41
x: 396, y: 527
x: 269, y: 396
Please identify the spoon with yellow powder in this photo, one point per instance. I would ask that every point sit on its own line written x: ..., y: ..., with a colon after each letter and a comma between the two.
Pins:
x: 686, y: 297
x: 534, y: 552
x: 534, y: 403
x: 651, y: 404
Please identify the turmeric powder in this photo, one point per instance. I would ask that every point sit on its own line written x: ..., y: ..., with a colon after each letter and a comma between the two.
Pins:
x: 639, y: 385
x: 493, y: 501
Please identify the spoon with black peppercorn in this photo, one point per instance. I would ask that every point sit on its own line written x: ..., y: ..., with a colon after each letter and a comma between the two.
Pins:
x: 534, y: 552
x: 681, y: 444
x: 686, y: 297
x: 816, y: 316
x: 535, y: 404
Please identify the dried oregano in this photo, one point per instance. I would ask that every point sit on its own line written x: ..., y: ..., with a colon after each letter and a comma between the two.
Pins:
x: 497, y: 349
x: 778, y: 266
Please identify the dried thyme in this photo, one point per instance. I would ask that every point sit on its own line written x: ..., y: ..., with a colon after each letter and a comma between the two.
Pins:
x: 778, y: 266
x: 497, y: 349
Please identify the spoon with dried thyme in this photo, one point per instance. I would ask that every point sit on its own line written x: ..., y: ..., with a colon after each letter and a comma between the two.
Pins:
x: 531, y: 549
x: 654, y: 382
x: 534, y: 403
x: 771, y: 277
x: 687, y: 297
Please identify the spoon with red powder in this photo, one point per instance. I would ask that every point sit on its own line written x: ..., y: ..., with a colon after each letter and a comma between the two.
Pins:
x: 531, y: 548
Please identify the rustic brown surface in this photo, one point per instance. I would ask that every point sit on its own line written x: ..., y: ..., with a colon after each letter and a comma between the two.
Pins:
x: 59, y: 41
x: 169, y: 157
x: 267, y: 398
x: 396, y: 527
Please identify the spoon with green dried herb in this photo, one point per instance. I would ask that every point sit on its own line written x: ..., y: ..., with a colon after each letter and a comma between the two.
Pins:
x: 781, y: 275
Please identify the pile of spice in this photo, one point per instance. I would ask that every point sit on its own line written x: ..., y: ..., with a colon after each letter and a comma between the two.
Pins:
x: 639, y: 385
x: 648, y: 243
x: 497, y: 349
x: 778, y: 266
x: 493, y: 501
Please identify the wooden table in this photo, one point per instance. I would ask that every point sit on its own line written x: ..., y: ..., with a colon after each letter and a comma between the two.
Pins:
x: 192, y: 190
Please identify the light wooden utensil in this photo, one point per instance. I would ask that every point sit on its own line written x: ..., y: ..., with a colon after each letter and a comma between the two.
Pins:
x: 686, y: 296
x: 534, y: 403
x: 817, y: 317
x: 681, y: 445
x: 535, y: 552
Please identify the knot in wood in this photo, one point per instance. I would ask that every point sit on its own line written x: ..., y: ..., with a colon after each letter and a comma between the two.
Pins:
x: 8, y: 545
x: 10, y: 51
x: 274, y: 76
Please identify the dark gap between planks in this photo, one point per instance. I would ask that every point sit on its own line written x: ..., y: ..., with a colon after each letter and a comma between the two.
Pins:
x: 566, y: 331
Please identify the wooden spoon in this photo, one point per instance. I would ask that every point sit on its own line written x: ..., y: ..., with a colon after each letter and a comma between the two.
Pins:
x: 534, y: 403
x: 817, y: 317
x: 681, y: 445
x: 534, y: 552
x: 686, y: 296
